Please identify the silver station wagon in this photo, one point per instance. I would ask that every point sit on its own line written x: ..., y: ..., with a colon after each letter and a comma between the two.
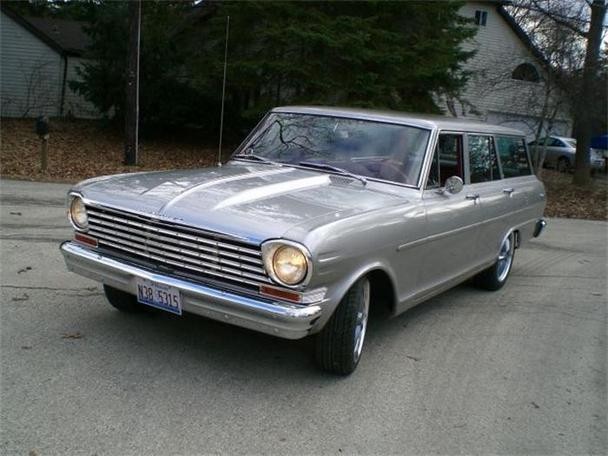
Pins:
x: 319, y: 215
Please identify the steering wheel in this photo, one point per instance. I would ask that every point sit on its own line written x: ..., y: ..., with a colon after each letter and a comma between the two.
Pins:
x: 394, y: 169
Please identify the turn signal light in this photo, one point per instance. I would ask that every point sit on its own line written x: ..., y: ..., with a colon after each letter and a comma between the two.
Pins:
x: 86, y: 240
x: 285, y: 295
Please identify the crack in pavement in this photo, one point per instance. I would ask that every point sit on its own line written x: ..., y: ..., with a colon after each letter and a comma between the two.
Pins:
x: 20, y: 287
x: 16, y: 201
x: 35, y: 226
x: 34, y: 239
x: 557, y: 276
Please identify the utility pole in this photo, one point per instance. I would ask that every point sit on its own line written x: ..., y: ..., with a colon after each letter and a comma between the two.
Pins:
x: 219, y: 152
x: 132, y: 88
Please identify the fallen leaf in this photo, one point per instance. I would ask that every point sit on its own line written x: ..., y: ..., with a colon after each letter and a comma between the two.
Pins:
x: 75, y: 335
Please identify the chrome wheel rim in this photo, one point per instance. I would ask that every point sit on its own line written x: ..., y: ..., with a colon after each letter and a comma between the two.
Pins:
x: 505, y: 258
x: 361, y: 324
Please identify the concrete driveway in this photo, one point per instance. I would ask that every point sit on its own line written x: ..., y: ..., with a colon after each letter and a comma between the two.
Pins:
x: 519, y: 371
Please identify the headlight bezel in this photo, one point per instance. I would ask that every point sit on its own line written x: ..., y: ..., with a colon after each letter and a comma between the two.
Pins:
x: 269, y: 250
x: 75, y: 198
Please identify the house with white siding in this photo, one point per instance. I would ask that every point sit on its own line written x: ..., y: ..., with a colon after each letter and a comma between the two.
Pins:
x: 38, y: 58
x: 509, y: 82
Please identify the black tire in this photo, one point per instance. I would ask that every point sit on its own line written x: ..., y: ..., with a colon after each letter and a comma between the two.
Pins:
x: 496, y: 276
x: 123, y: 301
x: 563, y: 165
x: 339, y: 344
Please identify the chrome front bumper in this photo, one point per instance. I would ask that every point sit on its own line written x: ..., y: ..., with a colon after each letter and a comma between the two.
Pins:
x: 280, y: 319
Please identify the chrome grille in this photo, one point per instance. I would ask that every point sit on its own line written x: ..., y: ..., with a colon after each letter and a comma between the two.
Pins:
x: 182, y: 248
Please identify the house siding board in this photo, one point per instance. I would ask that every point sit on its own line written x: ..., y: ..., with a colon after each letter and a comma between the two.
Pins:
x: 492, y: 93
x: 31, y: 73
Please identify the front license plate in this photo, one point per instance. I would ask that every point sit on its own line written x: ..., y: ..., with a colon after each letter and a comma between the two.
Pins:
x: 159, y: 295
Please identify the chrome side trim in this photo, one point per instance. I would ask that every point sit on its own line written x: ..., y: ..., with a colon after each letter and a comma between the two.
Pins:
x: 290, y: 321
x: 437, y: 236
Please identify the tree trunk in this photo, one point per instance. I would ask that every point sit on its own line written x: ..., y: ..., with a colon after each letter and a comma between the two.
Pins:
x: 132, y: 88
x: 582, y: 172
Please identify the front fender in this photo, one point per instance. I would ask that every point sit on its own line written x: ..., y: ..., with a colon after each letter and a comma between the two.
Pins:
x: 338, y: 289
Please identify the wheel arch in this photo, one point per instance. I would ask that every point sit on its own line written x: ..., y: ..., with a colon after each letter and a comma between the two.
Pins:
x: 382, y: 282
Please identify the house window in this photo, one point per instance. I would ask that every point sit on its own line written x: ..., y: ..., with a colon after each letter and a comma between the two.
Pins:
x: 526, y: 72
x: 481, y: 17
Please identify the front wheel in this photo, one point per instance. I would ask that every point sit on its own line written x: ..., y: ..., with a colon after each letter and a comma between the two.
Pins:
x: 339, y: 345
x: 496, y: 276
x: 123, y: 301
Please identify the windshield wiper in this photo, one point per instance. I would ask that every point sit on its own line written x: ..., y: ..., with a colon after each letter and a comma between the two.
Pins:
x: 253, y: 157
x: 341, y: 171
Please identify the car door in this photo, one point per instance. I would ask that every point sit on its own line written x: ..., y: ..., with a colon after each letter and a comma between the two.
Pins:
x: 488, y: 189
x: 519, y: 181
x: 452, y: 219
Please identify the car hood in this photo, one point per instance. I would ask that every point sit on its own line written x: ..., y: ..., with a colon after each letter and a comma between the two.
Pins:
x: 250, y: 201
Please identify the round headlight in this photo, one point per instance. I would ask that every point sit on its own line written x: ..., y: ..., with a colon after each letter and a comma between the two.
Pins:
x: 78, y: 213
x: 289, y: 264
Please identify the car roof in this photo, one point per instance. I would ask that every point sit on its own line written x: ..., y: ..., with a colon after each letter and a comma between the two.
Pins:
x: 429, y: 121
x: 563, y: 138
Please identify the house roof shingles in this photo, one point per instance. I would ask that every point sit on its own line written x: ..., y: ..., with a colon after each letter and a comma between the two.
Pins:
x: 64, y: 35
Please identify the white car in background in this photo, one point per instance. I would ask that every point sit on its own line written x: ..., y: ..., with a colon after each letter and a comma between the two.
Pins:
x: 561, y: 152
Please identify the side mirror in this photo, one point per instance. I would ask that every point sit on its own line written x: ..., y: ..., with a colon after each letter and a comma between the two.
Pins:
x: 453, y: 185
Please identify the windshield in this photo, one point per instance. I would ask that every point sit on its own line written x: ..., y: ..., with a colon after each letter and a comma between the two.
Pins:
x: 371, y: 149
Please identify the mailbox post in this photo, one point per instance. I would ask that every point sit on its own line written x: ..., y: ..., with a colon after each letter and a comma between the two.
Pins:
x: 42, y: 130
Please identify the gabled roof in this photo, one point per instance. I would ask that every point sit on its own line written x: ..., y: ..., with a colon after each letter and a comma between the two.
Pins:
x: 521, y: 34
x: 65, y: 36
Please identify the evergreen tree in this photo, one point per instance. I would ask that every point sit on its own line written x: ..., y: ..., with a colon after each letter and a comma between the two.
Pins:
x: 393, y: 55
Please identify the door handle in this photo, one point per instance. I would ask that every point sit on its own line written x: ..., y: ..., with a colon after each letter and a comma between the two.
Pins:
x: 473, y: 196
x: 508, y: 191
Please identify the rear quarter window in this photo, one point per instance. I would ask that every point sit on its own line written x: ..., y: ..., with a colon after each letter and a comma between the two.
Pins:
x: 513, y: 156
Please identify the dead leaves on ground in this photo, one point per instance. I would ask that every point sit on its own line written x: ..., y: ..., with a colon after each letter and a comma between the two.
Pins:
x: 81, y: 149
x: 566, y: 200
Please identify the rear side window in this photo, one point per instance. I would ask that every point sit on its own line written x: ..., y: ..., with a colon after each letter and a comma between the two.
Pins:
x: 483, y: 164
x: 513, y: 156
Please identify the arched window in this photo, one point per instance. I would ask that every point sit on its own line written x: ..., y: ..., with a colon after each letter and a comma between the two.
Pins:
x: 526, y: 72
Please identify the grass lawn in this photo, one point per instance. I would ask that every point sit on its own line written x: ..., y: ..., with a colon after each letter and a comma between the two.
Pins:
x: 81, y: 149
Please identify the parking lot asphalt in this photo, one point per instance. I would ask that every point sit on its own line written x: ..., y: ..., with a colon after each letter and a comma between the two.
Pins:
x: 518, y: 371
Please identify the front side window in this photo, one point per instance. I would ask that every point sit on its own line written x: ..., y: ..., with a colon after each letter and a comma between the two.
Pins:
x: 554, y: 142
x: 483, y: 164
x: 513, y: 156
x: 377, y: 150
x: 447, y: 160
